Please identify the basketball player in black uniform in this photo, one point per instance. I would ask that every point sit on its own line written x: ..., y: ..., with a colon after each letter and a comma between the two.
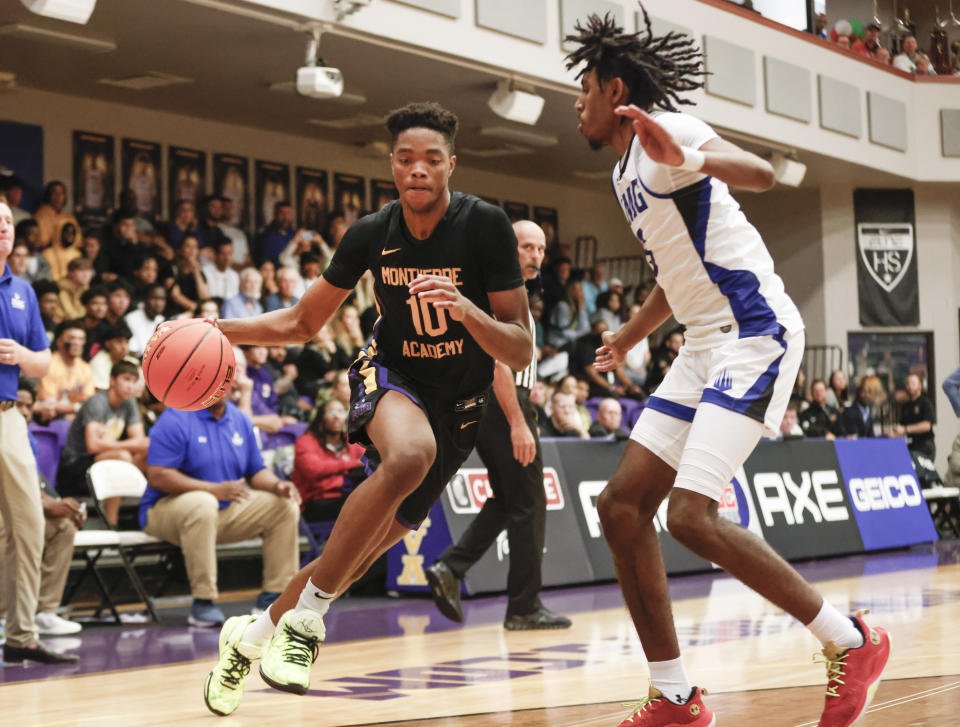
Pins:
x: 510, y: 449
x: 451, y: 300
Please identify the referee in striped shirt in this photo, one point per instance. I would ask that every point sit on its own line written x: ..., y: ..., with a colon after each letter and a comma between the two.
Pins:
x: 509, y: 446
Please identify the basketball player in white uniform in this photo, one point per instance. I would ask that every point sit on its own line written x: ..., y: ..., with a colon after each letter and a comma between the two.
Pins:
x: 729, y: 385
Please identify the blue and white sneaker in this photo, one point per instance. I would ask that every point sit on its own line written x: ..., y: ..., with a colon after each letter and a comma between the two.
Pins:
x: 205, y: 614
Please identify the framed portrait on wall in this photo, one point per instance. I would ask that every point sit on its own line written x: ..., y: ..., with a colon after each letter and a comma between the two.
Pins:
x: 231, y: 177
x: 187, y: 173
x: 517, y: 211
x: 271, y: 185
x: 891, y: 357
x: 349, y: 196
x: 546, y: 217
x: 382, y: 191
x: 312, y: 207
x: 93, y: 178
x: 490, y: 200
x: 142, y: 174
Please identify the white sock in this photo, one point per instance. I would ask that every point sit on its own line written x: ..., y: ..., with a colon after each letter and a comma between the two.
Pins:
x: 671, y: 679
x: 259, y: 631
x: 315, y: 598
x: 831, y: 625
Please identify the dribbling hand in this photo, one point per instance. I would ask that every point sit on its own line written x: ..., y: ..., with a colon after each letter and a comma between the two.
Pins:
x: 444, y: 295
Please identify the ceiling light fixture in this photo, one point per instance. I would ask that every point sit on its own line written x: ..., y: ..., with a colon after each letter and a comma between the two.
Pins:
x: 73, y: 11
x: 511, y: 103
x: 519, y: 136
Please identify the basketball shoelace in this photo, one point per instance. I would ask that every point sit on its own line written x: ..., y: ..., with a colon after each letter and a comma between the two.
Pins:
x: 238, y: 667
x: 835, y: 671
x: 299, y: 649
x: 641, y: 706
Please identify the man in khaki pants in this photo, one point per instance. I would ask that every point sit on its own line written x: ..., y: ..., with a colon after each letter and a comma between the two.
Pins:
x: 23, y: 348
x: 199, y: 466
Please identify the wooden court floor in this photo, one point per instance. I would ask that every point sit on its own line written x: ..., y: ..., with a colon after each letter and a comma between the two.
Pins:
x: 756, y: 662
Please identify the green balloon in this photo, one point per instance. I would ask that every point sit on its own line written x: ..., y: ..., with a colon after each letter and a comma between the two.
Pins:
x: 857, y: 28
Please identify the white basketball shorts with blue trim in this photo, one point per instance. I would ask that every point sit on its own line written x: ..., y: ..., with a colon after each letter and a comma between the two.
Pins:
x: 750, y: 376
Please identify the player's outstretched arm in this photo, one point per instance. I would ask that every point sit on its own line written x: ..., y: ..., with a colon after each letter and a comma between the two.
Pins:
x: 288, y: 326
x: 721, y: 159
x: 654, y: 311
x: 505, y: 336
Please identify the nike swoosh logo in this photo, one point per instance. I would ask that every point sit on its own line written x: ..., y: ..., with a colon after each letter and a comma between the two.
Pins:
x: 387, y: 252
x: 467, y: 424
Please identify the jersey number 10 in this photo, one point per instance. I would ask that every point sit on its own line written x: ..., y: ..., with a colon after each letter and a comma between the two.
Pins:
x: 420, y: 312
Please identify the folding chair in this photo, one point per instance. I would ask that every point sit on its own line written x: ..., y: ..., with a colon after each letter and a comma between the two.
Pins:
x: 115, y: 478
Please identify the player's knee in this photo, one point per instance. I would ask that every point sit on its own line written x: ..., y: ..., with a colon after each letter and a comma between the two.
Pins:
x: 687, y: 521
x: 407, y: 468
x: 615, y: 509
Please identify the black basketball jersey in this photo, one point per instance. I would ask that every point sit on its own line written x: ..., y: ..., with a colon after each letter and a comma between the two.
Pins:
x: 473, y: 245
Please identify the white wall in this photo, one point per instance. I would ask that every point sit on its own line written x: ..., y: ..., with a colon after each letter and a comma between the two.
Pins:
x: 585, y: 209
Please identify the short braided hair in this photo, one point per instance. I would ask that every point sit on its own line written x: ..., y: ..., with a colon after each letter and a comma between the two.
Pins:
x: 656, y: 69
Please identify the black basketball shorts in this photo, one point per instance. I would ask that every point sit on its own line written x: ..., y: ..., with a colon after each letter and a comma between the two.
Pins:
x: 454, y: 420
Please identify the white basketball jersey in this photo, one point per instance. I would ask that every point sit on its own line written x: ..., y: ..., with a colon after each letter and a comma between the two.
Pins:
x: 709, y: 261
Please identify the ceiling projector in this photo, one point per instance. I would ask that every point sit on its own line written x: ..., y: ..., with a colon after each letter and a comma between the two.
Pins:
x: 319, y: 82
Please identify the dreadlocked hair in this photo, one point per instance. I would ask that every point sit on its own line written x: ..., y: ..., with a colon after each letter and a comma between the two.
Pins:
x: 656, y: 70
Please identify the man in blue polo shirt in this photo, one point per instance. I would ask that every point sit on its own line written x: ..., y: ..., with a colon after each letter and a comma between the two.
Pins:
x: 23, y: 348
x: 199, y: 466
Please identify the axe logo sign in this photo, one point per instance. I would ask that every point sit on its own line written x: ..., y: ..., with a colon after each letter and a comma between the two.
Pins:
x: 589, y: 491
x: 809, y: 497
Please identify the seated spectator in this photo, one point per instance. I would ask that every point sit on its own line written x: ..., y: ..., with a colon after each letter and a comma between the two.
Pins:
x: 345, y: 327
x: 319, y: 362
x: 19, y: 260
x: 340, y: 389
x: 323, y: 462
x: 139, y: 204
x: 609, y: 308
x: 69, y: 382
x: 127, y: 248
x: 287, y: 280
x: 564, y: 418
x: 594, y: 284
x: 199, y: 467
x: 142, y: 322
x: 883, y: 56
x: 145, y: 275
x: 119, y: 298
x: 365, y: 301
x: 790, y: 425
x: 246, y: 303
x: 924, y: 66
x: 303, y: 242
x: 94, y: 319
x: 580, y: 391
x: 916, y: 421
x: 284, y: 373
x: 820, y: 26
x: 208, y: 229
x: 843, y: 41
x: 107, y: 426
x: 241, y: 246
x: 208, y: 308
x: 309, y: 271
x: 662, y: 358
x: 555, y: 276
x: 275, y: 237
x: 48, y: 300
x: 637, y: 361
x: 798, y: 395
x: 222, y: 280
x: 838, y: 393
x: 11, y: 188
x: 820, y: 419
x: 116, y: 347
x: 609, y: 420
x: 858, y: 419
x: 907, y: 59
x: 568, y: 320
x: 268, y: 271
x: 72, y: 287
x: 189, y: 285
x: 264, y: 398
x: 184, y: 223
x: 37, y: 266
x: 91, y: 247
x: 539, y: 397
x: 51, y: 215
x: 870, y: 45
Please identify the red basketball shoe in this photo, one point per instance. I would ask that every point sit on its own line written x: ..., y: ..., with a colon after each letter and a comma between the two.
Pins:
x: 655, y: 710
x: 853, y: 675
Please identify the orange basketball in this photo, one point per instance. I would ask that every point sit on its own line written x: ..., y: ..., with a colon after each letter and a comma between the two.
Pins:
x: 188, y: 364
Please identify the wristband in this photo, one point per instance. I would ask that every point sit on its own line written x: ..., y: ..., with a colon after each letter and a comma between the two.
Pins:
x: 693, y: 159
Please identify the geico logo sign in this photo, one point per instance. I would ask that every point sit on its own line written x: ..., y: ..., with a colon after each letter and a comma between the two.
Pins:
x: 885, y: 493
x: 818, y: 494
x: 470, y: 488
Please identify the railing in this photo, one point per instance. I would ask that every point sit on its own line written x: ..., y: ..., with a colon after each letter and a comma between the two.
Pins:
x: 819, y: 361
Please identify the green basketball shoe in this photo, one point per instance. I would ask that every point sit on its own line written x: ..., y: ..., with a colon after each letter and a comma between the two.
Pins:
x: 292, y: 650
x: 223, y: 689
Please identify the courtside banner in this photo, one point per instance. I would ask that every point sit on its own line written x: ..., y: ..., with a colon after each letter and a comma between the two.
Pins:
x: 801, y: 500
x: 565, y: 558
x: 884, y: 493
